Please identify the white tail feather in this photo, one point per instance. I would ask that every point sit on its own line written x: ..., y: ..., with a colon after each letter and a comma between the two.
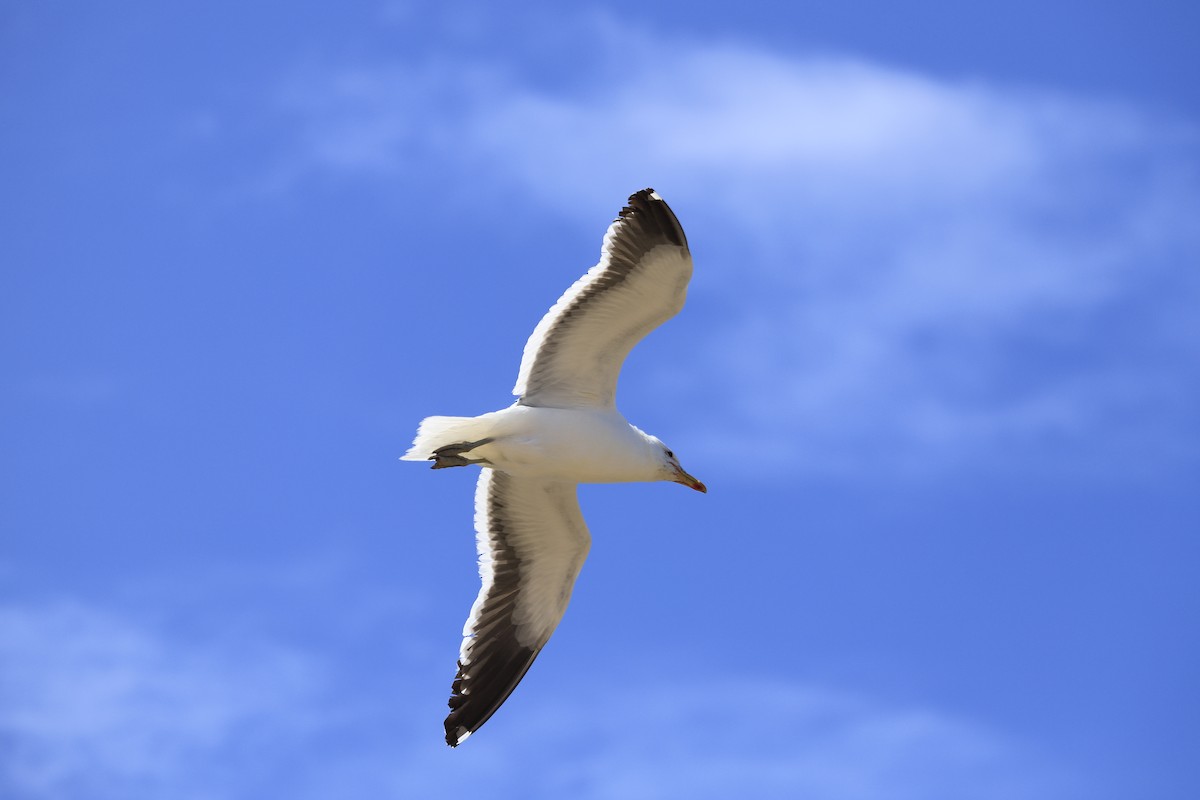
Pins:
x: 435, y: 432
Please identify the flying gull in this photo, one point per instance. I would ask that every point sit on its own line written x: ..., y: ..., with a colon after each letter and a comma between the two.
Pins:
x: 563, y: 430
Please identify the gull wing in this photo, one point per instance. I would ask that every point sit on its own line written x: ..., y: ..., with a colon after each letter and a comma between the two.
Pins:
x: 575, y: 353
x: 532, y: 541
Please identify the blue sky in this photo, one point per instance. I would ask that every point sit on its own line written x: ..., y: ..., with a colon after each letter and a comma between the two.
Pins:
x: 939, y: 367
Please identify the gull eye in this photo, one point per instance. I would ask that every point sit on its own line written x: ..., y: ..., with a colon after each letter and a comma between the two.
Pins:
x: 670, y: 454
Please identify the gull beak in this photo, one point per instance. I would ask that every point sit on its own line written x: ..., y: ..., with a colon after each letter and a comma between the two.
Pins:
x: 689, y: 481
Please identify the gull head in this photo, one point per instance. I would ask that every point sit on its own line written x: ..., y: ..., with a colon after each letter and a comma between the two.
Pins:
x: 669, y: 469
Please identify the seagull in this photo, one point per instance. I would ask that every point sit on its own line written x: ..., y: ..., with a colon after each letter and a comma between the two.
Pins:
x: 563, y: 430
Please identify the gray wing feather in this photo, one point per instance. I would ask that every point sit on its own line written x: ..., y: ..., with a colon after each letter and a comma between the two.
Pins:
x: 532, y: 542
x: 575, y: 354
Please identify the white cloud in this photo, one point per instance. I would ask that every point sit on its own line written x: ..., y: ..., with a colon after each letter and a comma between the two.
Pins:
x: 762, y: 738
x: 894, y: 269
x: 95, y: 705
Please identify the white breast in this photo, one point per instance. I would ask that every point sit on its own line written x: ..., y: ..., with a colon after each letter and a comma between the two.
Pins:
x: 575, y: 445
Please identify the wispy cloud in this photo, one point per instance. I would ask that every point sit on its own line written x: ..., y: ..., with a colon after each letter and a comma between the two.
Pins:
x: 98, y: 704
x: 894, y: 269
x: 762, y: 738
x: 93, y: 704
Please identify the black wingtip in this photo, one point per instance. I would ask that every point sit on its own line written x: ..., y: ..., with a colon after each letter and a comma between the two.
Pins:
x: 474, y: 700
x: 650, y: 206
x: 640, y: 200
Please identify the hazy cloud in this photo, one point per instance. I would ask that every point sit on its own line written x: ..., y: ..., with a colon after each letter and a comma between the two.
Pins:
x: 95, y: 705
x: 895, y: 270
x: 761, y: 738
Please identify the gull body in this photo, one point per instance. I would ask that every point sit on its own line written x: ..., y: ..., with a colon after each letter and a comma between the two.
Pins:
x: 574, y: 445
x: 563, y: 430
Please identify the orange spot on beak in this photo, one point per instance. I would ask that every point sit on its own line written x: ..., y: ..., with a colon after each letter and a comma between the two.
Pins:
x: 690, y: 482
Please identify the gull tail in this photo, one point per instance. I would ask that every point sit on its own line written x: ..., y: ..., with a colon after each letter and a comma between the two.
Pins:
x: 435, y: 433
